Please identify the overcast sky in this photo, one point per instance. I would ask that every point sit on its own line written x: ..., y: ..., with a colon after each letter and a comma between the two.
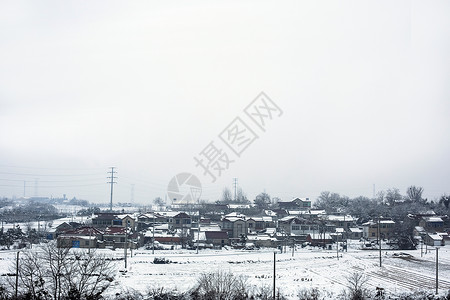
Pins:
x: 143, y: 86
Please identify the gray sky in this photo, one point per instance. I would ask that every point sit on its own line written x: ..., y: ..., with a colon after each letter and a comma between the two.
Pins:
x: 146, y: 86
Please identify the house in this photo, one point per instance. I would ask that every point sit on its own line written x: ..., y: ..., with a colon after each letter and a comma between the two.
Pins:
x: 103, y: 220
x: 296, y: 203
x: 345, y: 221
x: 218, y: 239
x: 433, y: 239
x: 262, y: 240
x: 149, y: 219
x: 176, y: 220
x: 256, y: 224
x: 82, y: 237
x: 370, y: 229
x: 61, y: 228
x: 162, y: 235
x: 319, y: 239
x: 295, y: 226
x: 354, y: 233
x: 117, y: 237
x: 235, y: 226
x: 432, y: 224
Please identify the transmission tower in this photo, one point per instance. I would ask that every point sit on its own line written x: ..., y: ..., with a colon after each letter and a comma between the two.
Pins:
x: 111, y: 178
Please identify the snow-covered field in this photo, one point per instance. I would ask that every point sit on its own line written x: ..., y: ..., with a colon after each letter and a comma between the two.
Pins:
x: 401, y: 271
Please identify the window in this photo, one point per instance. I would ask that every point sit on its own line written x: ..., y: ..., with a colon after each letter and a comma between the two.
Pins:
x: 373, y: 233
x: 86, y: 243
x: 177, y: 221
x: 250, y: 225
x: 295, y: 227
x: 304, y: 227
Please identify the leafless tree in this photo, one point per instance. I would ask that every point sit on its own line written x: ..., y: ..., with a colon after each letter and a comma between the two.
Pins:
x: 221, y: 286
x: 226, y: 196
x: 49, y: 272
x: 414, y: 193
x: 356, y: 283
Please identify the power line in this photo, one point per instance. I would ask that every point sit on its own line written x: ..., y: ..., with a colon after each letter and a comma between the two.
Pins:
x: 54, y: 175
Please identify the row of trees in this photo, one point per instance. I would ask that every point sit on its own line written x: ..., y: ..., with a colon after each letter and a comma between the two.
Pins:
x: 390, y: 203
x: 49, y: 272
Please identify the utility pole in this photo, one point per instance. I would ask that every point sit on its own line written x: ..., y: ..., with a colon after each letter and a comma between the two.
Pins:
x: 274, y: 273
x: 198, y: 232
x: 379, y: 239
x: 17, y: 274
x: 126, y: 243
x: 153, y: 231
x: 235, y: 182
x: 111, y: 178
x: 437, y: 270
x: 337, y: 246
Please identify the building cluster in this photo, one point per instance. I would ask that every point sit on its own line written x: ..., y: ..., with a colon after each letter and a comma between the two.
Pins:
x: 292, y: 223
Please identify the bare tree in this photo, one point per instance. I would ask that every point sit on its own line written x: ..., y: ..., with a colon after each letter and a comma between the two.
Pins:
x: 220, y: 285
x: 91, y: 275
x: 262, y: 200
x: 226, y: 196
x: 159, y: 202
x: 56, y: 273
x: 445, y: 200
x: 241, y: 196
x: 392, y: 196
x: 414, y: 193
x: 357, y: 286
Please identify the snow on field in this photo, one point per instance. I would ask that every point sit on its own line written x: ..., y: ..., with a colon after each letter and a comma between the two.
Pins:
x: 401, y: 271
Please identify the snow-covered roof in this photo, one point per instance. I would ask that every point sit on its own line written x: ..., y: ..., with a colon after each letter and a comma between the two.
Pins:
x: 261, y: 219
x: 260, y: 237
x: 356, y: 230
x: 433, y: 219
x: 346, y: 218
x: 419, y: 229
x: 293, y: 199
x: 435, y: 237
x: 234, y: 219
x: 270, y: 213
x: 235, y: 214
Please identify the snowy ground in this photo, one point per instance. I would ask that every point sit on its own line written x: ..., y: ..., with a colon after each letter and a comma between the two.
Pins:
x: 401, y: 271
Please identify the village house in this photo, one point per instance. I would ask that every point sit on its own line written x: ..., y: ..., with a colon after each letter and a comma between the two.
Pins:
x: 235, y: 225
x: 81, y: 237
x: 336, y: 221
x: 118, y: 237
x: 370, y: 229
x: 218, y: 239
x: 295, y: 226
x: 432, y: 224
x: 177, y: 220
x: 354, y: 233
x: 103, y: 220
x: 319, y: 239
x: 296, y: 203
x: 256, y: 224
x: 149, y: 219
